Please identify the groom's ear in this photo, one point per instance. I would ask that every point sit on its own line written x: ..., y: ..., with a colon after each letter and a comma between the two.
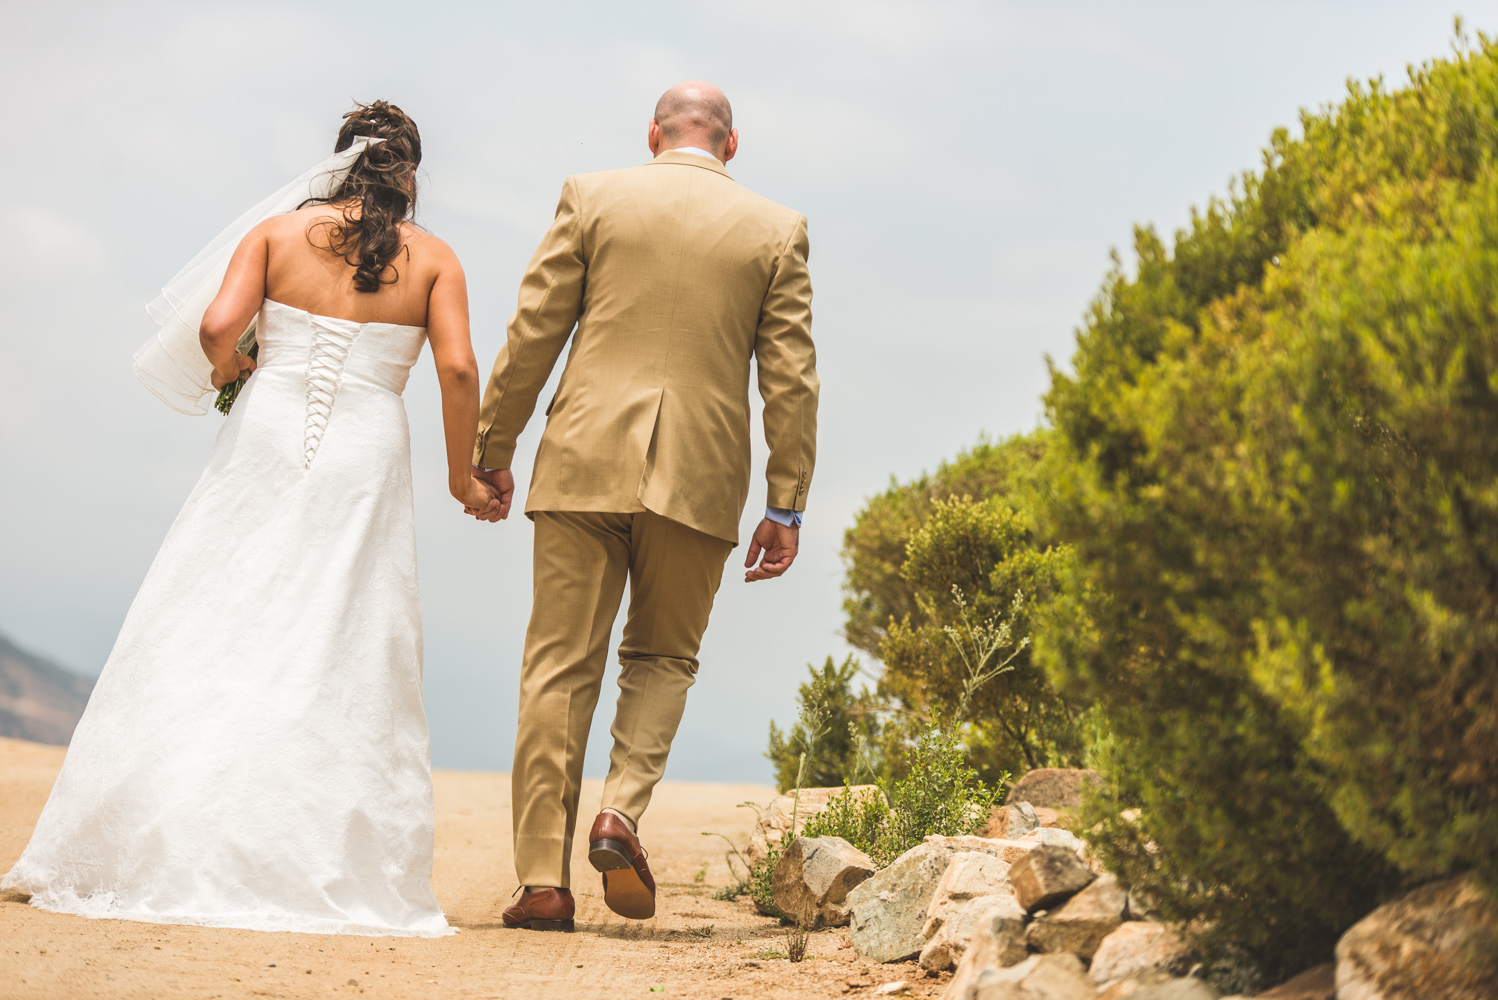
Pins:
x: 653, y: 137
x: 731, y: 144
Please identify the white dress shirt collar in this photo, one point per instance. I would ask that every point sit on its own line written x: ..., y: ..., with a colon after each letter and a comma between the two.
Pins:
x: 693, y: 149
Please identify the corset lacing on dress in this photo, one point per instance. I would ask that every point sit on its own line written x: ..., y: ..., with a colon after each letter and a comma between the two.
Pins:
x: 325, y: 363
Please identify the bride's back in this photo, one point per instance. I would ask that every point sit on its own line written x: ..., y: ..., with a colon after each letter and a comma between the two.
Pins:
x: 305, y: 272
x: 356, y: 255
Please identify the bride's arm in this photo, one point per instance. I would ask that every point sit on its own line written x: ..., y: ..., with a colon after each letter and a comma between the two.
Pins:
x: 229, y: 314
x: 458, y: 375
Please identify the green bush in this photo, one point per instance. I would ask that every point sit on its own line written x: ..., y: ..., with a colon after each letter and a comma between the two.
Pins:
x: 1276, y: 460
x: 973, y: 570
x: 874, y: 548
x: 967, y: 527
x: 850, y: 720
x: 939, y: 796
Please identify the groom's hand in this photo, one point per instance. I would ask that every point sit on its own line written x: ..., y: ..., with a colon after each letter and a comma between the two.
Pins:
x: 503, y: 483
x: 777, y: 543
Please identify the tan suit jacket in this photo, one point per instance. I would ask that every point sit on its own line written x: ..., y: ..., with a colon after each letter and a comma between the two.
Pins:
x: 674, y: 277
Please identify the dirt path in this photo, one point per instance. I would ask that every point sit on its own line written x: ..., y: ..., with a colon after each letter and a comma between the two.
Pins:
x: 696, y: 946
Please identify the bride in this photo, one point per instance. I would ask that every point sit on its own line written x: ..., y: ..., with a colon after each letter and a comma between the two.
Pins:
x: 255, y: 753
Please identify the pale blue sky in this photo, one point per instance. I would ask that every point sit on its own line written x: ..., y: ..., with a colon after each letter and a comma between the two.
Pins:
x: 965, y: 168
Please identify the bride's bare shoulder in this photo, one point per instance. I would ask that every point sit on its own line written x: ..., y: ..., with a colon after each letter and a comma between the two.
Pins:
x: 432, y: 247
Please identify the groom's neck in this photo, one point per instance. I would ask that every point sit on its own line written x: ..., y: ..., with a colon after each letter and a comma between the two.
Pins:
x: 703, y: 146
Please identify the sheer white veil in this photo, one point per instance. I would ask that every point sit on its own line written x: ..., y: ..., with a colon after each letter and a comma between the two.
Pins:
x: 172, y: 364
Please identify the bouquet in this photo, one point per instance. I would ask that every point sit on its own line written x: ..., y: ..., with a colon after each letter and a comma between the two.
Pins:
x: 247, y: 344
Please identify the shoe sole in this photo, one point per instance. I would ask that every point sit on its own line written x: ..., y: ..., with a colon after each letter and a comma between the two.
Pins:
x: 548, y: 925
x: 623, y: 890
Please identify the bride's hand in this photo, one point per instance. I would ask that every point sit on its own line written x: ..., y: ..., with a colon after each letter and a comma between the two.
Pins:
x: 242, y: 364
x: 501, y: 483
x: 480, y: 500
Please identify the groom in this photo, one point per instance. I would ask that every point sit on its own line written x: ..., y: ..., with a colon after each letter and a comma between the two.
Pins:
x: 669, y: 278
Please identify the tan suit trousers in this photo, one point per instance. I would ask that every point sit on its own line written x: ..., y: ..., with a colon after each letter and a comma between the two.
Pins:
x: 582, y: 559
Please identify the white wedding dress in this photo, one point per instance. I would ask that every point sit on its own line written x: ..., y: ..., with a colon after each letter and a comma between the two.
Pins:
x: 255, y: 753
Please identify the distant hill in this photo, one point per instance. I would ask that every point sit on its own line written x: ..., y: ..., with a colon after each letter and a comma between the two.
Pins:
x: 39, y: 700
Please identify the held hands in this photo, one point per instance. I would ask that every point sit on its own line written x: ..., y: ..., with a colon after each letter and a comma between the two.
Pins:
x: 777, y: 543
x: 241, y: 365
x: 490, y: 494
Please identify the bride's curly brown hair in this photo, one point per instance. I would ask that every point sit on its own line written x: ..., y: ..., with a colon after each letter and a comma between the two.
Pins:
x: 378, y: 194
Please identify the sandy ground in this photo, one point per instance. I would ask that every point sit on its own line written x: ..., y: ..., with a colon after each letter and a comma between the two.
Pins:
x: 695, y: 947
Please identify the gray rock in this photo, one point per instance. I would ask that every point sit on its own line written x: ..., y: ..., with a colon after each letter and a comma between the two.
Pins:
x: 1176, y: 989
x: 1080, y: 924
x: 775, y: 819
x: 998, y: 818
x: 1056, y: 837
x: 1440, y: 940
x: 1047, y: 875
x: 890, y: 910
x: 1053, y: 787
x: 1040, y: 977
x: 1007, y: 850
x: 813, y: 879
x: 1119, y: 989
x: 969, y: 874
x: 1022, y: 819
x: 1185, y: 988
x: 1136, y: 949
x: 996, y: 921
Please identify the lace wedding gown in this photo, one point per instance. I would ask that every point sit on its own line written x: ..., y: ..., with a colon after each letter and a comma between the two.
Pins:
x: 255, y: 753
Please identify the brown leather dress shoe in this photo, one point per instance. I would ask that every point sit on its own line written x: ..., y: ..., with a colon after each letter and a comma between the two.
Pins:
x: 628, y: 886
x: 542, y: 910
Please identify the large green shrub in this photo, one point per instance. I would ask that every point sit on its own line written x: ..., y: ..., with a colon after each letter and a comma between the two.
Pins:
x: 1276, y: 458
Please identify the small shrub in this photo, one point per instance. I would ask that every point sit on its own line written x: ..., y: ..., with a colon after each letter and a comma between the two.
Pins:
x: 940, y: 796
x: 762, y: 878
x: 795, y: 942
x: 850, y: 719
x: 859, y: 819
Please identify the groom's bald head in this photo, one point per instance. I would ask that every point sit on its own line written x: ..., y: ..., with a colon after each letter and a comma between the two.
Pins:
x: 694, y: 113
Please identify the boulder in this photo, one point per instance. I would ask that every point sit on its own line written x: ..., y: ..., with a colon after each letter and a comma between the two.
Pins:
x: 1080, y: 924
x: 813, y: 878
x: 1008, y: 851
x: 1440, y: 940
x: 1047, y: 875
x: 1055, y: 837
x: 1186, y: 988
x: 997, y: 920
x: 1119, y: 989
x: 890, y: 910
x: 999, y: 820
x: 1039, y: 977
x: 973, y: 883
x: 969, y: 874
x: 1139, y: 948
x: 775, y: 819
x: 1053, y: 787
x: 1022, y: 819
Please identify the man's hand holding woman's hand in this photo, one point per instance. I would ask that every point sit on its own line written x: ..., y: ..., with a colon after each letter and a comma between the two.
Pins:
x: 489, y: 494
x: 240, y: 366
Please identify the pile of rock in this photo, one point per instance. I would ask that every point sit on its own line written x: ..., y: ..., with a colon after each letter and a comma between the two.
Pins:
x: 1029, y: 916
